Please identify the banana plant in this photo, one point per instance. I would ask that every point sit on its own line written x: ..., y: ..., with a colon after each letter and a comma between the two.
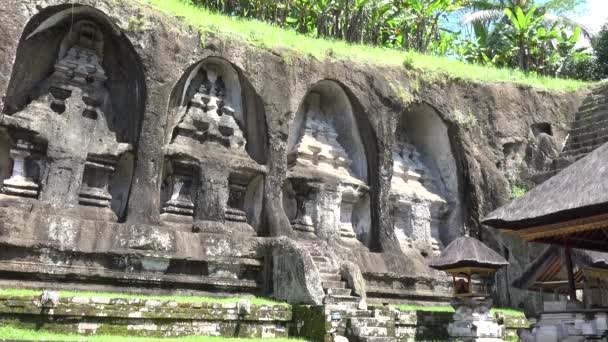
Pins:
x: 524, y: 32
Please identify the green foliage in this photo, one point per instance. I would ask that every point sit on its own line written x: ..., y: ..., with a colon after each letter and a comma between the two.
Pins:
x: 508, y: 312
x: 15, y: 334
x: 136, y: 24
x: 465, y: 119
x: 503, y: 311
x: 271, y: 36
x: 406, y: 307
x: 408, y: 62
x: 179, y: 299
x: 519, y: 34
x: 411, y: 24
x: 600, y: 46
x: 518, y: 191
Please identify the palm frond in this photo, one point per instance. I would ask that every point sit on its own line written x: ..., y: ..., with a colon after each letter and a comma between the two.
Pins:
x: 560, y: 19
x: 482, y: 16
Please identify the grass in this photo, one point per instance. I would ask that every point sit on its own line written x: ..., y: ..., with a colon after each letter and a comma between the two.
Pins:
x: 179, y: 299
x: 269, y: 36
x: 406, y: 307
x: 10, y: 333
x: 504, y: 311
x: 508, y: 312
x: 518, y: 191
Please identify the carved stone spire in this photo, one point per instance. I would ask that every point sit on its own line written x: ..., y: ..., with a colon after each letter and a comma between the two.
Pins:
x: 209, y: 116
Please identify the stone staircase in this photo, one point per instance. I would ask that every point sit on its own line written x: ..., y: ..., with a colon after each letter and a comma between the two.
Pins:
x: 336, y: 290
x: 590, y: 128
x: 371, y: 326
x: 588, y: 132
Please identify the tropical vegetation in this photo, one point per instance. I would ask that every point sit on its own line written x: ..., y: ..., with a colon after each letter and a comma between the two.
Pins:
x: 531, y: 35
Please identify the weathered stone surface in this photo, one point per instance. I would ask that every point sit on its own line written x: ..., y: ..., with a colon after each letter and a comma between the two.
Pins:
x: 136, y: 129
x: 116, y: 316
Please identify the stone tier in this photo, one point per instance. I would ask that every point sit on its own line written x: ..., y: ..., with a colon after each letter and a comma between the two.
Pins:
x: 86, y: 315
x: 84, y: 253
x: 590, y: 128
x: 117, y: 272
x: 382, y: 324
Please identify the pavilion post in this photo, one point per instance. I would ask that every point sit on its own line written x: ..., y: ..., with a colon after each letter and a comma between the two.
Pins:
x: 569, y: 267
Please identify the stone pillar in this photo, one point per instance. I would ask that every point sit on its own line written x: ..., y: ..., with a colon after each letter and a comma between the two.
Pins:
x: 350, y: 197
x: 212, y: 194
x: 180, y: 205
x: 304, y: 207
x: 20, y: 184
x: 94, y: 190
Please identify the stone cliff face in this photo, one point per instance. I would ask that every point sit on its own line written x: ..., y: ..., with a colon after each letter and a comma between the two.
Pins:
x: 180, y: 159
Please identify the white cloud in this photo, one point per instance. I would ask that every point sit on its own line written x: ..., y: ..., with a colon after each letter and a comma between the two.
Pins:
x: 595, y: 16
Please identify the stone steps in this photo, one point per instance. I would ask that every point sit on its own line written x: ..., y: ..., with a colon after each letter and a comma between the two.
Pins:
x: 318, y: 258
x: 587, y: 135
x: 579, y: 151
x: 372, y: 328
x: 591, y: 103
x: 591, y: 142
x: 338, y: 292
x: 334, y: 284
x: 376, y: 339
x: 590, y: 119
x: 338, y: 299
x: 330, y: 277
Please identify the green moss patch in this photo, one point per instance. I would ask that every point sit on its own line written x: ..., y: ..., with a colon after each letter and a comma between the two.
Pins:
x: 508, y: 312
x: 406, y: 307
x: 10, y: 333
x: 265, y: 35
x: 504, y: 311
x: 179, y: 299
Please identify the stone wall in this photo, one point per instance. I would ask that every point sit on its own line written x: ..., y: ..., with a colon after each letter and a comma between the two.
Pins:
x: 144, y: 317
x: 176, y: 158
x: 317, y: 324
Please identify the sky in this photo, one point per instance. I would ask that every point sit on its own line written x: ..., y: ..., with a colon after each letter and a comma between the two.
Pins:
x: 593, y: 14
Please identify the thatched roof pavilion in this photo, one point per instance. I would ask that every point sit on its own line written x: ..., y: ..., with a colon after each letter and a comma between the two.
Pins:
x: 569, y: 209
x: 467, y: 251
x: 467, y: 256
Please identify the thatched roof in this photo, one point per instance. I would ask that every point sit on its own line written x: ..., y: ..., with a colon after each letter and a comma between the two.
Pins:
x: 578, y: 191
x: 593, y: 259
x: 467, y: 251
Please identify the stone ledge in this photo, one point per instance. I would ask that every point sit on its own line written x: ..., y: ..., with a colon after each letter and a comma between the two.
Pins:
x: 58, y: 271
x: 90, y: 315
x: 142, y: 308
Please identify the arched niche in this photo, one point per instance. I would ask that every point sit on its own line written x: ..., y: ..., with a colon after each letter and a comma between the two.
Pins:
x: 328, y: 187
x: 239, y: 95
x: 80, y: 84
x: 427, y: 204
x: 336, y: 112
x: 47, y: 38
x: 217, y: 120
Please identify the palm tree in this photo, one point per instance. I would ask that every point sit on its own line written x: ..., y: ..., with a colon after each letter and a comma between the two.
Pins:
x: 487, y: 12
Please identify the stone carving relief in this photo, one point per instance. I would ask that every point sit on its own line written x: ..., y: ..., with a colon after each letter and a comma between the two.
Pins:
x: 209, y: 116
x: 417, y: 206
x: 323, y: 194
x: 210, y: 135
x: 72, y: 119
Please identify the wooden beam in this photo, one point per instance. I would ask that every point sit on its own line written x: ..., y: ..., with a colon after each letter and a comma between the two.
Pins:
x: 563, y: 228
x: 571, y: 282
